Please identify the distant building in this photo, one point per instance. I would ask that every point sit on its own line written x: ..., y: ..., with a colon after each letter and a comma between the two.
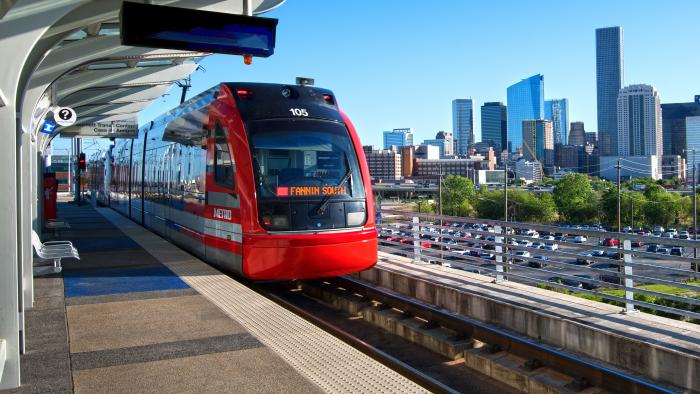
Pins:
x: 408, y: 156
x: 494, y: 125
x: 609, y: 45
x: 490, y: 177
x: 429, y: 152
x: 367, y: 149
x: 525, y: 102
x: 577, y: 135
x: 639, y: 122
x: 426, y: 168
x: 591, y: 138
x: 398, y: 137
x: 528, y: 171
x: 591, y: 161
x: 444, y: 141
x: 630, y: 167
x: 537, y: 141
x: 570, y: 157
x: 692, y: 132
x: 60, y: 165
x: 674, y: 134
x: 557, y: 110
x: 384, y: 165
x: 463, y: 125
x: 673, y: 166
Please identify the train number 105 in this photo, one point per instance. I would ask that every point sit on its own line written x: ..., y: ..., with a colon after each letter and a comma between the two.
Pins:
x: 299, y: 111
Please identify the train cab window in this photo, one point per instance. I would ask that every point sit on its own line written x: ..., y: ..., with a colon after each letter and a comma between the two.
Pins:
x: 223, y: 161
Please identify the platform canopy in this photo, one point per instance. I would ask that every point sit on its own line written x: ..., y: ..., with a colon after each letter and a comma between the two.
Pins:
x: 86, y: 68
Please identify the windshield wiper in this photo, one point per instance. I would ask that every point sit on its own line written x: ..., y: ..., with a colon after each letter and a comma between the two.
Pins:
x: 324, y: 203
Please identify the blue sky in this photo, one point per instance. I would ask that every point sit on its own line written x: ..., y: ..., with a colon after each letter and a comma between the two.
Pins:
x: 395, y: 63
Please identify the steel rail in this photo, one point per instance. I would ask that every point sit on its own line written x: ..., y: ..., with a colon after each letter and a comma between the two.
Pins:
x: 577, y: 367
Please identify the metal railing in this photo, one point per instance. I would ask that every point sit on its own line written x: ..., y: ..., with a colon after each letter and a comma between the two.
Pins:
x: 491, y: 247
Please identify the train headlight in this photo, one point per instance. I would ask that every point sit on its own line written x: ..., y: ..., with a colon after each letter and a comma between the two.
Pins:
x: 355, y: 218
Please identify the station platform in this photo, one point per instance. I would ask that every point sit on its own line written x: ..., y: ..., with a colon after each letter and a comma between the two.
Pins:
x: 138, y: 315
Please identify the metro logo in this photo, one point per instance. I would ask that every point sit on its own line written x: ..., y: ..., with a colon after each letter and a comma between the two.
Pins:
x: 222, y: 213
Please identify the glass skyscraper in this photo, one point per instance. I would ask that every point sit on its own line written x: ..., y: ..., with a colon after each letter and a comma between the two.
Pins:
x: 494, y: 126
x: 463, y: 125
x: 398, y: 137
x: 673, y: 115
x: 692, y: 129
x: 557, y: 110
x: 538, y: 141
x: 639, y: 122
x: 609, y: 80
x: 525, y: 102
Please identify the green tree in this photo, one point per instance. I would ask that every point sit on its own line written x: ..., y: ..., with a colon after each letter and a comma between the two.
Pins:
x: 457, y: 196
x: 575, y: 199
x: 489, y: 204
x: 424, y: 206
x: 526, y: 206
x: 663, y: 208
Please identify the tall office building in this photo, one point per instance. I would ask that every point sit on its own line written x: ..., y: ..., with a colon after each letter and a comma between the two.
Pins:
x: 639, y: 122
x: 494, y: 126
x: 525, y: 102
x: 609, y: 80
x: 398, y: 137
x: 463, y: 125
x: 692, y: 129
x: 538, y: 141
x: 591, y: 138
x: 577, y: 136
x: 674, y: 115
x: 557, y: 110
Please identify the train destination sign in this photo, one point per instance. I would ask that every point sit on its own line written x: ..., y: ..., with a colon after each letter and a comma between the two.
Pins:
x: 296, y: 191
x: 127, y: 128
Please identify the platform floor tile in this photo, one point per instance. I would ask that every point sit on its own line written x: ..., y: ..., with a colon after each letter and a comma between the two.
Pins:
x: 93, y: 282
x: 114, y: 325
x: 245, y: 371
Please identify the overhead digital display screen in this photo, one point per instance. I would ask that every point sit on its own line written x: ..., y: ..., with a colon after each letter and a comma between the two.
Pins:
x: 156, y: 26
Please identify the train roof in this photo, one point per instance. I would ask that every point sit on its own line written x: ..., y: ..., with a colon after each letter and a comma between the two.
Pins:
x: 256, y: 101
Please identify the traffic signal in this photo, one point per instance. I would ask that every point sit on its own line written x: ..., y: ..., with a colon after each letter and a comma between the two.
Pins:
x: 81, y: 161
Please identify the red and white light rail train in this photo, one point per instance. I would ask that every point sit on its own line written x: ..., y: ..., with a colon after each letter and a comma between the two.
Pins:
x: 268, y: 181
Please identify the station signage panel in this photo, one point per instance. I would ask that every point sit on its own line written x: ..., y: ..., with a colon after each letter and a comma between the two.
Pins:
x: 127, y: 128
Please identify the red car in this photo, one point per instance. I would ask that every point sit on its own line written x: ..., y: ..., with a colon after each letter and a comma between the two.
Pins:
x: 610, y: 242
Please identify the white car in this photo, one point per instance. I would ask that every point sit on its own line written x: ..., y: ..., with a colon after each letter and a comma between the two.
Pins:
x: 579, y: 239
x: 551, y: 246
x: 548, y: 238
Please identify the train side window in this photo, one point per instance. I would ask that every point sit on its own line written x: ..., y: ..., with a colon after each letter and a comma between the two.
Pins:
x: 223, y: 161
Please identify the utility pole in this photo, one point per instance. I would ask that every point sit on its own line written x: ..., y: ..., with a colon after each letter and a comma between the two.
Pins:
x: 440, y: 209
x: 619, y: 227
x: 695, y: 210
x: 505, y: 191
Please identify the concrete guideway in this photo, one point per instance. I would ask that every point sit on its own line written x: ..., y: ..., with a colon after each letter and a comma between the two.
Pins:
x: 58, y: 53
x: 653, y: 347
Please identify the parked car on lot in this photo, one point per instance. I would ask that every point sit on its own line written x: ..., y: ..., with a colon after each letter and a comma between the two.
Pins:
x: 583, y: 259
x: 598, y: 253
x: 610, y: 278
x: 538, y: 264
x: 677, y: 251
x: 610, y: 242
x: 548, y: 238
x: 521, y: 253
x: 551, y: 246
x: 652, y: 248
x: 538, y: 245
x: 579, y: 239
x: 664, y: 251
x: 684, y: 235
x: 637, y: 244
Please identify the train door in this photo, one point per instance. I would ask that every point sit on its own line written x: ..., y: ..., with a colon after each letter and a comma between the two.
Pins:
x: 222, y: 224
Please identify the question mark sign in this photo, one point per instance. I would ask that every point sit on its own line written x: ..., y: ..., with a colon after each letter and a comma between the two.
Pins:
x: 64, y: 114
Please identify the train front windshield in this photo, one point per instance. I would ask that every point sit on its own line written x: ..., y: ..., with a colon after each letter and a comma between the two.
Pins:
x: 307, y: 175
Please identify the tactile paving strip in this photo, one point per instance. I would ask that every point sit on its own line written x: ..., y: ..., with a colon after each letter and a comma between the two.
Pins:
x: 323, y: 359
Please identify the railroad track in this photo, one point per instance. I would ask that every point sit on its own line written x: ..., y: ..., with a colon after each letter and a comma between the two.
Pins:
x: 585, y: 373
x: 429, y: 383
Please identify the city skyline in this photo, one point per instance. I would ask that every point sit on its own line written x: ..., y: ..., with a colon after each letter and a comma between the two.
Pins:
x: 422, y: 75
